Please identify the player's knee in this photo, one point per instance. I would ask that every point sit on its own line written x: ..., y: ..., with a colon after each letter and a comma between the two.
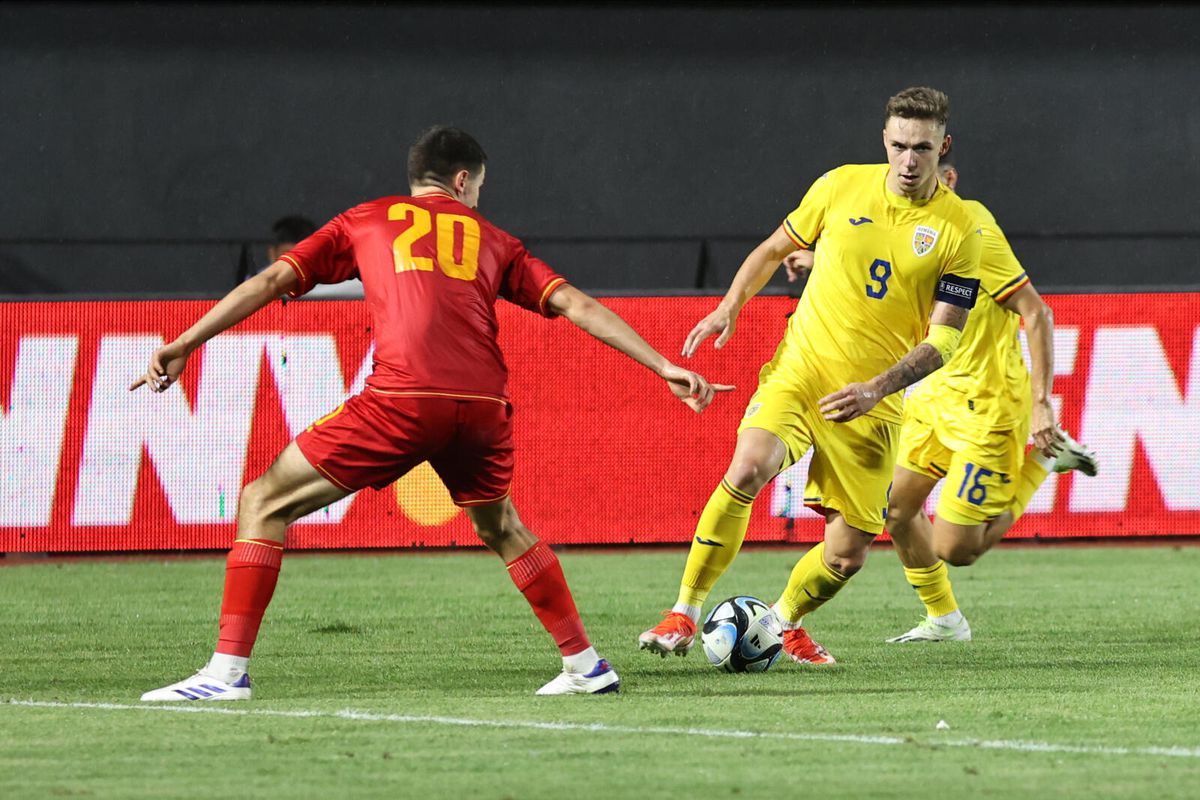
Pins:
x: 900, y: 513
x: 960, y: 554
x: 495, y: 532
x: 261, y: 503
x: 748, y: 474
x: 846, y: 562
x: 490, y: 532
x: 254, y: 502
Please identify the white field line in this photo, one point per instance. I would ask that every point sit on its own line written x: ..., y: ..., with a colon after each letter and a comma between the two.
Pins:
x: 712, y: 733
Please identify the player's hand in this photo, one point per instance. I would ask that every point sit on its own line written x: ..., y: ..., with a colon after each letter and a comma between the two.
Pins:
x: 165, y: 365
x: 798, y: 264
x: 691, y: 387
x: 721, y: 321
x: 1046, y: 434
x: 850, y: 402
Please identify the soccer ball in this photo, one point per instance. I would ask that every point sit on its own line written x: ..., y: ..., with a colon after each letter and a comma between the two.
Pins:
x: 742, y: 635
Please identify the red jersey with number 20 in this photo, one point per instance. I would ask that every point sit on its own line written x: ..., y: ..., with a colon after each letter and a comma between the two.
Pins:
x: 431, y: 270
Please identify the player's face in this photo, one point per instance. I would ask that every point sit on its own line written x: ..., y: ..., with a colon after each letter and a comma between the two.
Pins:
x: 913, y: 147
x: 949, y: 176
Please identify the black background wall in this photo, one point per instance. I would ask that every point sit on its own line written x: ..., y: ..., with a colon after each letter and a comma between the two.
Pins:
x: 635, y: 147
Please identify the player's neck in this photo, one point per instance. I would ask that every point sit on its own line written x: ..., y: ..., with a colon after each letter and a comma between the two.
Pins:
x: 424, y: 191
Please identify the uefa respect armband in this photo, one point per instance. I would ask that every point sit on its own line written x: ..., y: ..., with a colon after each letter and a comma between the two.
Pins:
x: 957, y: 291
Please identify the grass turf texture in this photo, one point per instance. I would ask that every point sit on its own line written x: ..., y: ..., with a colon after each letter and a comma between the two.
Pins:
x: 1084, y: 647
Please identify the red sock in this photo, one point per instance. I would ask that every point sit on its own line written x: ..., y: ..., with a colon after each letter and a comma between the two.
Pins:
x: 251, y: 571
x: 539, y: 576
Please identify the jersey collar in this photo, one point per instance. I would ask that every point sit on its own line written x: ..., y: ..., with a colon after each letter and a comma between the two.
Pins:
x: 900, y: 201
x: 437, y: 193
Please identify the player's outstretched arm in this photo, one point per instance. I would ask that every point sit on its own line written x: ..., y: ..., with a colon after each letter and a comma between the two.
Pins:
x: 169, y: 360
x: 857, y: 399
x: 601, y: 322
x: 1039, y: 332
x: 751, y: 277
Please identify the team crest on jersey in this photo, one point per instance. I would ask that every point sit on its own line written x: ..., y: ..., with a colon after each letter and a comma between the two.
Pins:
x: 924, y: 238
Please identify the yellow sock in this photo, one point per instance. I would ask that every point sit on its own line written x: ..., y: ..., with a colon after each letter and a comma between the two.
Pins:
x: 1033, y: 474
x: 719, y: 535
x: 812, y: 583
x: 933, y: 587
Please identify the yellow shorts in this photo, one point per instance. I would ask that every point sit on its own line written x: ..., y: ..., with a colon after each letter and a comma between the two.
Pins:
x: 851, y: 471
x: 981, y: 466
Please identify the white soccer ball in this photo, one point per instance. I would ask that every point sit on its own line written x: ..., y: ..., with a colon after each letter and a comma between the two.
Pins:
x: 742, y: 635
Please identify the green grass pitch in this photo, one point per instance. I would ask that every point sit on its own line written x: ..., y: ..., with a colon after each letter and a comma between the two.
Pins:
x: 413, y: 676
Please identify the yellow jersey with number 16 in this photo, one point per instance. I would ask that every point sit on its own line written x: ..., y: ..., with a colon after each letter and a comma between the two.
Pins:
x: 882, y: 261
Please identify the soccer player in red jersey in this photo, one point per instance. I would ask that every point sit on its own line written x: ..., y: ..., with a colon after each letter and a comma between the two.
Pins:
x: 432, y: 268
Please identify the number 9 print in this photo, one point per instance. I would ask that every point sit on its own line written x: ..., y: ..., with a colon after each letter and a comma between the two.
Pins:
x: 880, y: 271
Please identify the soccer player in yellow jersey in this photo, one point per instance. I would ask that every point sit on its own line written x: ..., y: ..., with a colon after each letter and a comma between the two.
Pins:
x: 968, y: 423
x: 898, y: 259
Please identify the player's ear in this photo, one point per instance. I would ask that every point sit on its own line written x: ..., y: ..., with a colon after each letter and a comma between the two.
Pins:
x: 460, y: 180
x: 945, y: 146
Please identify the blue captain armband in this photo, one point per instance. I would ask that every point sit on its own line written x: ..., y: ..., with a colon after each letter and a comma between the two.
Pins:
x: 957, y: 291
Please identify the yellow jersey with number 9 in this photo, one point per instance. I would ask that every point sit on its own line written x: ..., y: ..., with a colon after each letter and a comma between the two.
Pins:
x: 986, y: 381
x: 882, y: 261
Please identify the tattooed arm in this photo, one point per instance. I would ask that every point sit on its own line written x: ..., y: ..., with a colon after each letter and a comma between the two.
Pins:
x: 857, y: 399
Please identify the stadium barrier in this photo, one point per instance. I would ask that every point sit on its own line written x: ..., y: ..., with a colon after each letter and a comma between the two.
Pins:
x: 604, y: 454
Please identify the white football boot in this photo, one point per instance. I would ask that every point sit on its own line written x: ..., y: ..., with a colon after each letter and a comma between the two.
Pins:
x: 929, y: 631
x: 1076, y: 456
x: 602, y: 679
x: 202, y: 686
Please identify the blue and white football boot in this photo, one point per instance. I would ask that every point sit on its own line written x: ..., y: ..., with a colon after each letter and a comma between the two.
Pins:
x: 601, y: 679
x: 202, y: 686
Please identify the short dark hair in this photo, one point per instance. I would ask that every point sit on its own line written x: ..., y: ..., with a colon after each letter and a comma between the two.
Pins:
x: 292, y: 229
x: 441, y: 152
x: 919, y: 102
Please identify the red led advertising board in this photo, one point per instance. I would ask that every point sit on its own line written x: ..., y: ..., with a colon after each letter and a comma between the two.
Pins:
x: 605, y: 455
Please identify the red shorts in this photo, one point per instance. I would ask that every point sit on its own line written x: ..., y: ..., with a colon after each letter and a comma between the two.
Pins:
x: 373, y: 439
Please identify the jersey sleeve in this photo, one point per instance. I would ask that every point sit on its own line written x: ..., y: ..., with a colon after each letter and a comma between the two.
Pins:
x: 325, y: 257
x: 804, y: 225
x: 1000, y: 273
x: 959, y: 282
x: 529, y: 282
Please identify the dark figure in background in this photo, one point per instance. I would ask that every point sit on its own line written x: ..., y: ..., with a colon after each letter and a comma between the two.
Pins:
x: 286, y: 233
